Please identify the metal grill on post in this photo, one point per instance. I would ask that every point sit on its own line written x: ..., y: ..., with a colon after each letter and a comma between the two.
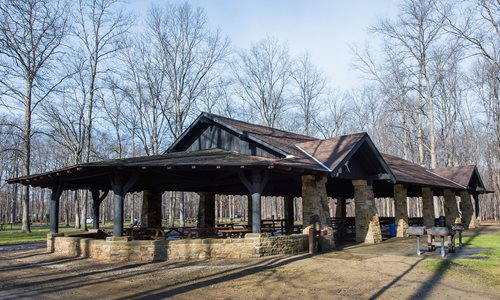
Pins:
x: 417, y: 231
x: 441, y: 232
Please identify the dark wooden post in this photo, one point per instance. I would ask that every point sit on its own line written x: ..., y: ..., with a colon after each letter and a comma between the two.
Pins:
x: 54, y: 207
x: 96, y: 203
x: 256, y: 211
x: 250, y: 209
x: 206, y: 210
x: 475, y: 196
x: 341, y: 210
x: 255, y: 186
x: 288, y: 214
x: 120, y: 188
x: 151, y: 214
x: 210, y: 210
x: 118, y: 209
x: 340, y: 215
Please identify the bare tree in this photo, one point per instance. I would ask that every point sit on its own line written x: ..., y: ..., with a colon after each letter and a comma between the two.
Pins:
x: 191, y: 53
x: 479, y: 26
x: 394, y: 77
x: 418, y: 28
x: 333, y: 118
x: 100, y: 26
x: 146, y: 91
x: 263, y: 76
x: 311, y: 84
x: 190, y: 56
x: 31, y: 34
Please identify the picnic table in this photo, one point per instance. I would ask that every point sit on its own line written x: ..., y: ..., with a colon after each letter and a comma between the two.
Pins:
x: 240, y: 233
x: 154, y: 233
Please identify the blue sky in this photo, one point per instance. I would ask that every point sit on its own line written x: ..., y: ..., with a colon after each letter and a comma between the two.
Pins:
x: 324, y: 28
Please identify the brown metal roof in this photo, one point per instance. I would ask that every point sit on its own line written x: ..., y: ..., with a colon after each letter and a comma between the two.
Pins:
x: 467, y: 176
x: 308, y: 153
x: 204, y: 158
x: 280, y: 139
x: 461, y: 175
x: 408, y: 172
x: 331, y: 152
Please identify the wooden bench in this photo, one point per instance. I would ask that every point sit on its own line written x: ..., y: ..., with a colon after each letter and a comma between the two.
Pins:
x: 239, y: 233
x: 145, y: 233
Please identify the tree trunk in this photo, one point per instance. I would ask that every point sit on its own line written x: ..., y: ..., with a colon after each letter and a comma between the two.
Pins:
x: 76, y: 201
x: 27, y: 156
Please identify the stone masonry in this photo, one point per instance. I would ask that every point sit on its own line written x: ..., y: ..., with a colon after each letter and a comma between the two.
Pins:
x: 468, y: 212
x: 315, y: 208
x: 428, y: 207
x: 367, y: 222
x: 314, y: 200
x: 401, y: 210
x: 123, y: 250
x: 451, y: 213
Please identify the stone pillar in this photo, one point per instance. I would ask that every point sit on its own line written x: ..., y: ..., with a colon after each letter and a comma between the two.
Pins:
x: 151, y: 209
x: 315, y: 209
x: 468, y: 213
x: 401, y: 210
x: 314, y: 201
x: 289, y: 217
x: 206, y: 210
x: 367, y: 223
x: 428, y: 207
x: 450, y: 208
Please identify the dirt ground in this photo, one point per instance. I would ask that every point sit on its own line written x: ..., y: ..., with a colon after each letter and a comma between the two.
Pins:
x: 390, y: 270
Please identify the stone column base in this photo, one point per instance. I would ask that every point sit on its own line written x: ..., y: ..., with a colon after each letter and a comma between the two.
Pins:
x: 326, y: 240
x: 50, y: 241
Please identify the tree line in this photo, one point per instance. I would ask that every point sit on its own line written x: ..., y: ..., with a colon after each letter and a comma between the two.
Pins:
x: 82, y: 81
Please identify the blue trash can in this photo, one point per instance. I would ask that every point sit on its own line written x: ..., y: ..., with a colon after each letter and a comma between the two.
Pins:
x: 392, y: 230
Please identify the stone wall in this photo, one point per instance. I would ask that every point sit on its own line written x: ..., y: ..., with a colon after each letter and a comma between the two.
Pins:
x: 119, y: 249
x: 116, y: 251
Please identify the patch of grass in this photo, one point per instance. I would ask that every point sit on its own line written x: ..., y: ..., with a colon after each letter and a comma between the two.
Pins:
x: 38, y: 233
x: 482, y: 267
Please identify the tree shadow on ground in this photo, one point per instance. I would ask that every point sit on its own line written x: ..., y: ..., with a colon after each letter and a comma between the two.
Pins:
x: 443, y: 266
x: 79, y: 278
x: 183, y: 287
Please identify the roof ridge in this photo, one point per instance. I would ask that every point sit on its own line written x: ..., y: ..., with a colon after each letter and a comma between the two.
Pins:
x: 447, y: 179
x: 469, y: 165
x: 313, y: 158
x: 259, y: 125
